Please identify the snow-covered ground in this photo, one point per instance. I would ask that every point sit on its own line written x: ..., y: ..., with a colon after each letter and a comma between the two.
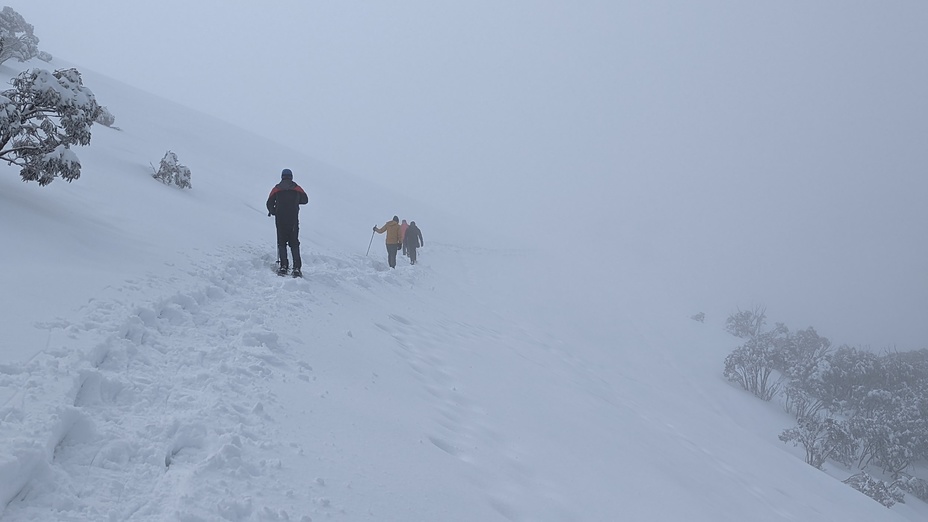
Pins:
x: 154, y: 368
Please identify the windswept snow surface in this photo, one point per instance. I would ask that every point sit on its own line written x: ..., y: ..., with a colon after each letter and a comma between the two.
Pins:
x: 154, y: 367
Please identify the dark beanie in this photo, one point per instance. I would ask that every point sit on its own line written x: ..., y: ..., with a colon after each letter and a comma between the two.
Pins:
x: 286, y: 174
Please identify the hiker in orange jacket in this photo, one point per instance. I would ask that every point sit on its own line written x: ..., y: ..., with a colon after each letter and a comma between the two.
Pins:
x: 394, y: 241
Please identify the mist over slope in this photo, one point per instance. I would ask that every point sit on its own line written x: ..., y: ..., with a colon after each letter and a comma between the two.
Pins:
x: 115, y: 220
x: 155, y: 369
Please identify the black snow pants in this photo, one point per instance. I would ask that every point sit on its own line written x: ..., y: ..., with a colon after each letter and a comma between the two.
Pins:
x: 289, y: 234
x: 391, y: 254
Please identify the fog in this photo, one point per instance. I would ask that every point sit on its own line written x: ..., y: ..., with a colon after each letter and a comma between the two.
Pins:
x: 735, y: 154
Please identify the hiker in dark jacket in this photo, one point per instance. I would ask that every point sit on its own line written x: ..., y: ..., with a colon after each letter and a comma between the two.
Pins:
x: 413, y: 240
x: 284, y: 203
x: 394, y: 241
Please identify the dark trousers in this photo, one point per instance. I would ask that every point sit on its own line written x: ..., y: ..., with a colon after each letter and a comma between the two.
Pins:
x: 412, y: 253
x: 289, y: 234
x: 391, y: 254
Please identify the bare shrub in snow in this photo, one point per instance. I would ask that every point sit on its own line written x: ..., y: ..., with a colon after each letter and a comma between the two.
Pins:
x: 700, y: 317
x: 171, y: 172
x: 40, y: 118
x: 886, y: 494
x: 105, y: 117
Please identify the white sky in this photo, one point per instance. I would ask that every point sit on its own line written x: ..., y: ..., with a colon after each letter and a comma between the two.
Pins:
x: 760, y: 152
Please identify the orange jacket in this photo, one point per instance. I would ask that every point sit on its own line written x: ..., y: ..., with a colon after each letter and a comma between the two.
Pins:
x: 392, y: 228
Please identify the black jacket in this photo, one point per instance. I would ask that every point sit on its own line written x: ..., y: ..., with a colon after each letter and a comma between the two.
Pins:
x: 285, y: 200
x: 413, y: 237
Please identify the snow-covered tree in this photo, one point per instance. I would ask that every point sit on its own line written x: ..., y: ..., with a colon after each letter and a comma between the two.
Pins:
x: 803, y: 358
x: 803, y: 355
x: 882, y: 401
x: 823, y: 438
x: 801, y: 402
x: 171, y: 172
x: 893, y: 430
x: 16, y: 37
x: 752, y: 364
x: 851, y: 373
x: 915, y: 486
x: 746, y: 324
x: 903, y: 370
x: 40, y: 118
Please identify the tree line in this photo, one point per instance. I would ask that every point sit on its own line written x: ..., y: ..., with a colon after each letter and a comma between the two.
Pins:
x: 862, y: 410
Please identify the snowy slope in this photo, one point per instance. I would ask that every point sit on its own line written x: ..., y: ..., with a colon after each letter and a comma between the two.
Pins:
x: 154, y: 368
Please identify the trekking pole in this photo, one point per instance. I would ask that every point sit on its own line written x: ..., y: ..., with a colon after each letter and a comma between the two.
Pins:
x: 369, y: 245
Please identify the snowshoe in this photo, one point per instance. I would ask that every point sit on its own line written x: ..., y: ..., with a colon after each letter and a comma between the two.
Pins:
x: 296, y: 273
x: 282, y: 271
